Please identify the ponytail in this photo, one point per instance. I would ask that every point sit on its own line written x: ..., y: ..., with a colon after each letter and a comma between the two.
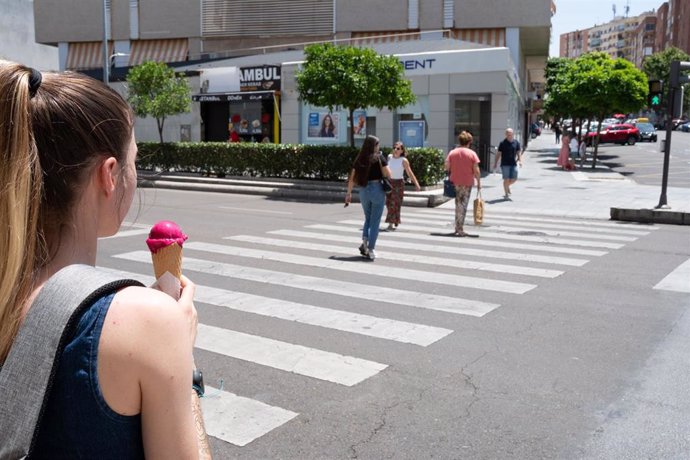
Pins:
x: 20, y: 198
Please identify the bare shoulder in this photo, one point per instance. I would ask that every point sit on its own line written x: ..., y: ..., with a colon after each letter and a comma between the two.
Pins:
x: 141, y: 316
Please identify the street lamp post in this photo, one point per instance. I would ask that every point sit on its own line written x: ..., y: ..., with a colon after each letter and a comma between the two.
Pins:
x: 106, y: 57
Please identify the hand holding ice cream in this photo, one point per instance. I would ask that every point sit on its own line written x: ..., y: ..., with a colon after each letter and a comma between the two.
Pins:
x: 165, y: 243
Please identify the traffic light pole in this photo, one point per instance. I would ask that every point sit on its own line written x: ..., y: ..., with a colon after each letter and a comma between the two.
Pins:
x: 663, y: 203
x: 675, y: 85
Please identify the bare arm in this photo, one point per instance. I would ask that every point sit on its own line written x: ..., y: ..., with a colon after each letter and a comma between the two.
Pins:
x: 350, y: 186
x: 477, y: 175
x: 408, y: 170
x: 201, y: 436
x: 498, y: 159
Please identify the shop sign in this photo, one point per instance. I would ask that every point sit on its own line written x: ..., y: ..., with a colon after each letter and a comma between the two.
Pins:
x: 260, y: 78
x: 233, y: 97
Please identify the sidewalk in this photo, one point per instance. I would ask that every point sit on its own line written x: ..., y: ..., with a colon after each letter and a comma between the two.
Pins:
x: 542, y: 188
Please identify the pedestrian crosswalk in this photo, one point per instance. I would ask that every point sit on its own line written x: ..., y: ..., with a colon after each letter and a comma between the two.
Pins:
x: 418, y: 279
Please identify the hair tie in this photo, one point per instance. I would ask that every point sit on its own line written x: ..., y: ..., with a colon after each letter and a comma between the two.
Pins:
x: 34, y: 82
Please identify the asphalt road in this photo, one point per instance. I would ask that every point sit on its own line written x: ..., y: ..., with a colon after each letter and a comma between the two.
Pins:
x: 543, y: 338
x: 643, y: 162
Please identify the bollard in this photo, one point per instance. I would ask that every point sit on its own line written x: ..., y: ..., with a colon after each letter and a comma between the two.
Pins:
x: 662, y: 145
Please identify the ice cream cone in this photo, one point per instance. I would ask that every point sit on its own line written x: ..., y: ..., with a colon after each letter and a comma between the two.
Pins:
x: 168, y: 259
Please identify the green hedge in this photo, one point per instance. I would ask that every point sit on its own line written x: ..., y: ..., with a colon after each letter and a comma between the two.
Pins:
x: 290, y: 161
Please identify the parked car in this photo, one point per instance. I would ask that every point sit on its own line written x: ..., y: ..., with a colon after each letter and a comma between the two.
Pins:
x: 685, y: 127
x: 647, y: 132
x: 616, y: 134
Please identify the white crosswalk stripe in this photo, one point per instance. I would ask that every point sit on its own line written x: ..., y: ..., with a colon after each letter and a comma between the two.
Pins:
x: 517, y: 246
x: 311, y: 283
x: 371, y: 269
x: 356, y: 323
x: 610, y: 227
x: 458, y: 263
x: 323, y: 365
x: 578, y: 241
x: 240, y: 420
x: 386, y: 243
x: 467, y: 241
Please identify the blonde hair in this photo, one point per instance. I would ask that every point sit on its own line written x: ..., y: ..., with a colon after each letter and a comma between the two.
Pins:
x: 48, y: 142
x: 465, y: 138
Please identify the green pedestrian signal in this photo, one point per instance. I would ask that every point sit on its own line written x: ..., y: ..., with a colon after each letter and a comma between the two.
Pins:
x: 655, y: 90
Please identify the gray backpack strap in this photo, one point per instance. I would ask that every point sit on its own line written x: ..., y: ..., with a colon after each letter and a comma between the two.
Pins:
x: 27, y: 374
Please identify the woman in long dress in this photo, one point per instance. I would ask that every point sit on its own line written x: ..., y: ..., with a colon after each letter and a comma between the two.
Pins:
x: 399, y: 165
x: 564, y: 153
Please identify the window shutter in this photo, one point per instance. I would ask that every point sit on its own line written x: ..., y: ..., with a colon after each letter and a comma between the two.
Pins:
x: 448, y: 13
x: 413, y: 14
x: 241, y: 18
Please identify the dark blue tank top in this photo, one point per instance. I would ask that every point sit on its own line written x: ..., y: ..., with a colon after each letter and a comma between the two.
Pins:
x: 78, y: 423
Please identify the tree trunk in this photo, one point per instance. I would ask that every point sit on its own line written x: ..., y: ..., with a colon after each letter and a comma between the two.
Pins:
x: 596, y: 141
x: 160, y: 122
x: 351, y: 112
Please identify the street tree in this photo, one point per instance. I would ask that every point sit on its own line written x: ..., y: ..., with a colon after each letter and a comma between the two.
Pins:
x: 156, y: 90
x: 558, y: 102
x: 354, y: 78
x: 602, y: 86
x: 658, y: 66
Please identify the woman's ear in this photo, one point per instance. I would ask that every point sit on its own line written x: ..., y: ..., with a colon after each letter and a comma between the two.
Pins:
x: 107, y: 174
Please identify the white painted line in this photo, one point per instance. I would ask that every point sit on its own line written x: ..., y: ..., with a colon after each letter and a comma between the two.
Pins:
x: 385, y: 242
x: 507, y: 229
x: 510, y: 220
x: 506, y: 236
x: 404, y: 234
x: 355, y: 323
x: 402, y: 274
x: 358, y: 291
x: 505, y: 214
x: 255, y: 210
x: 678, y: 280
x: 322, y: 365
x: 239, y: 420
x: 396, y: 256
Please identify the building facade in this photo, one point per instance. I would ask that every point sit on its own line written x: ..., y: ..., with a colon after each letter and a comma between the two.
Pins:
x: 17, y: 38
x: 636, y: 37
x: 481, y: 71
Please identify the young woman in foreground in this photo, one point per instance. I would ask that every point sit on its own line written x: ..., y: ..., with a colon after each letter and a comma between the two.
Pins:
x: 124, y: 385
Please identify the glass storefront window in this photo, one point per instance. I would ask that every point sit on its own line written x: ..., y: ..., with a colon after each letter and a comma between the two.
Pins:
x: 472, y: 113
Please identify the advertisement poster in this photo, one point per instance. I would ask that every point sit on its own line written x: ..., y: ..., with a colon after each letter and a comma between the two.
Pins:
x: 323, y: 125
x: 360, y: 123
x: 412, y: 133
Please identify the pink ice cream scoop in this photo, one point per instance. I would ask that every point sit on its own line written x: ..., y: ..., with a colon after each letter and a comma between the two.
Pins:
x: 163, y: 234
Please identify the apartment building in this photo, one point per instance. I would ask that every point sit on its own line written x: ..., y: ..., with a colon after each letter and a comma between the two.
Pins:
x: 643, y: 39
x: 573, y: 44
x: 673, y: 26
x: 636, y: 37
x: 472, y: 66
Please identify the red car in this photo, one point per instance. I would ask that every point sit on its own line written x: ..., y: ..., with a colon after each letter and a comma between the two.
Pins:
x: 622, y: 133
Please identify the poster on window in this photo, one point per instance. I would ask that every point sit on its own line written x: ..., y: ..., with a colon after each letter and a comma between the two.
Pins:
x: 323, y: 125
x: 412, y: 133
x: 360, y: 123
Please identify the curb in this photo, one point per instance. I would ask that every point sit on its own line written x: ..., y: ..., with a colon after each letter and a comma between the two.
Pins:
x: 284, y: 189
x: 651, y: 216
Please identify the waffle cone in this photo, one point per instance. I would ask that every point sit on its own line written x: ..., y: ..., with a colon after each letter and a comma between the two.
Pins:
x: 168, y: 259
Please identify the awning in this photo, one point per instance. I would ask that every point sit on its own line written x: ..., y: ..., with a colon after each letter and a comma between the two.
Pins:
x: 171, y: 50
x: 232, y: 97
x: 492, y: 37
x: 86, y: 55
